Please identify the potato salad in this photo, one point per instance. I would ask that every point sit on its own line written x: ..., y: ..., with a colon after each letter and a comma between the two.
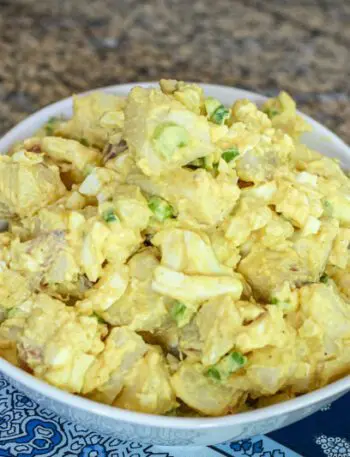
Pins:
x: 169, y: 254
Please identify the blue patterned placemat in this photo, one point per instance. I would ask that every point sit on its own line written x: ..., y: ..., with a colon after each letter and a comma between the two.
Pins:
x: 26, y: 430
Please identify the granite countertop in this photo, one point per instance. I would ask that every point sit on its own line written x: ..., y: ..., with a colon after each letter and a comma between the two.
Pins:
x: 52, y: 48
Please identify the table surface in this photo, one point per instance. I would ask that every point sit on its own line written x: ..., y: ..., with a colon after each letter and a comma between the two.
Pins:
x: 51, y: 48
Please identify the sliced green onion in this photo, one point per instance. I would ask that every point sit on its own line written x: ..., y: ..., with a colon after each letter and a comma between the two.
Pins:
x: 231, y: 363
x: 213, y: 373
x: 324, y: 278
x: 230, y: 154
x: 274, y: 301
x: 238, y: 360
x: 109, y: 216
x: 220, y: 115
x: 227, y: 365
x: 271, y: 112
x: 160, y: 208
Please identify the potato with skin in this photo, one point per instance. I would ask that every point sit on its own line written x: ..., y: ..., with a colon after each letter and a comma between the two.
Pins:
x: 47, y: 258
x: 266, y: 269
x: 10, y: 330
x: 58, y: 344
x: 16, y: 295
x: 268, y: 329
x: 262, y: 149
x: 27, y: 184
x: 110, y: 287
x: 97, y: 119
x: 106, y: 376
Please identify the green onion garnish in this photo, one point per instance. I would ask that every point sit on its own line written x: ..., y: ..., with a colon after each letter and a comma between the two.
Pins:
x: 109, y: 216
x: 271, y: 112
x: 213, y: 373
x: 324, y: 278
x: 230, y: 154
x: 220, y: 115
x: 227, y: 365
x: 160, y: 208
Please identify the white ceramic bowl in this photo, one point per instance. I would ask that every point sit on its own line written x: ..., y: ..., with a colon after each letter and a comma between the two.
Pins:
x: 173, y: 431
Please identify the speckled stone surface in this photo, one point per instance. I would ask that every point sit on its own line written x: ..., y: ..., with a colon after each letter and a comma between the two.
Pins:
x: 51, y: 48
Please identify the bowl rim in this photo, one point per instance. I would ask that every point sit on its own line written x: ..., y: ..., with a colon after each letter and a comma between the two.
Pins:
x: 179, y: 423
x: 340, y: 386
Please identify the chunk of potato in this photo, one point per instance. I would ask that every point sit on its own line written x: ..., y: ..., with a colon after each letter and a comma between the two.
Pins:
x: 202, y: 393
x: 147, y: 387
